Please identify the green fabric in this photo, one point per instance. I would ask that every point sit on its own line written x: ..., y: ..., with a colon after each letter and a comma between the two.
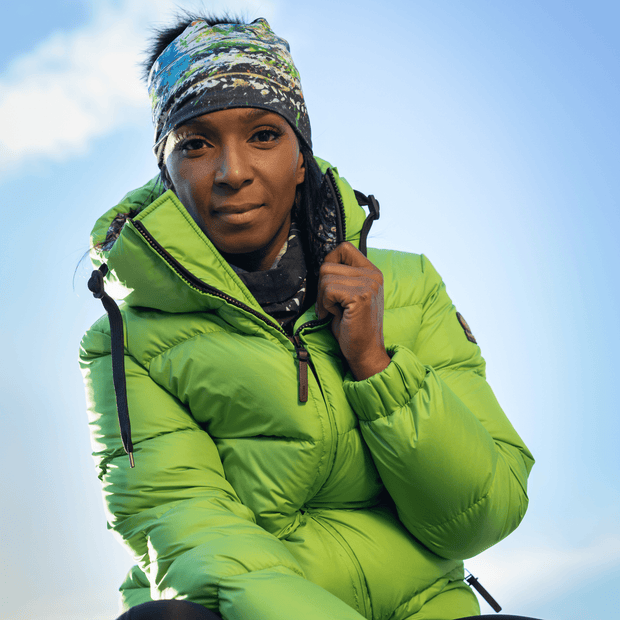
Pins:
x: 361, y: 502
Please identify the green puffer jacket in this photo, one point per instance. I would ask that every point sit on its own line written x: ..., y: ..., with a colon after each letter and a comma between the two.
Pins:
x: 362, y: 501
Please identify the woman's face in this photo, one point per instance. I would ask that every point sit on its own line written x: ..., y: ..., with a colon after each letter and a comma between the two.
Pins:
x: 236, y: 171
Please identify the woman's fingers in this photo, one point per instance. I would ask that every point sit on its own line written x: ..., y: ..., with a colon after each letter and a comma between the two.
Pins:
x: 351, y: 288
x: 347, y: 254
x: 348, y: 290
x: 349, y: 263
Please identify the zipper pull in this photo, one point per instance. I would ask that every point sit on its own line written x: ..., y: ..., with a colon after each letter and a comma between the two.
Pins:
x: 303, y: 357
x: 474, y: 583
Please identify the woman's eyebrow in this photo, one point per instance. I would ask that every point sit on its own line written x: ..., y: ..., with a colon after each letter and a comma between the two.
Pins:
x: 251, y: 114
x: 254, y: 113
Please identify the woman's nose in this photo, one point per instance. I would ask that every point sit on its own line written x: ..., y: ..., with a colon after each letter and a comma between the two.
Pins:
x: 233, y: 167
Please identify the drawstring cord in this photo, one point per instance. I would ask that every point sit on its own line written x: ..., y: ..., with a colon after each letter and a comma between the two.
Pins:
x: 95, y: 285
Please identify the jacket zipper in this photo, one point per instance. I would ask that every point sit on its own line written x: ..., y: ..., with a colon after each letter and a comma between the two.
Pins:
x: 303, y: 357
x: 359, y: 587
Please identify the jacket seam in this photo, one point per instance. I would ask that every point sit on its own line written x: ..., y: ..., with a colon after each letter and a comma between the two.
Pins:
x: 418, y: 303
x: 183, y: 341
x: 296, y: 571
x: 193, y: 429
x: 324, y: 457
x: 362, y: 596
x: 411, y: 396
x: 395, y: 612
x: 460, y: 514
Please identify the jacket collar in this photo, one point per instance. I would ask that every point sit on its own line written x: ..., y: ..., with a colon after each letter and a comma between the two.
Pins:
x: 160, y: 257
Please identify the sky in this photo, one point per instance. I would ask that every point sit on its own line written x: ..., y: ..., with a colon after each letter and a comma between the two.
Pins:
x: 488, y: 131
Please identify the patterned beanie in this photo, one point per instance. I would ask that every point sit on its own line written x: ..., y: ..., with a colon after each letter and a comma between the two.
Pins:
x: 210, y: 68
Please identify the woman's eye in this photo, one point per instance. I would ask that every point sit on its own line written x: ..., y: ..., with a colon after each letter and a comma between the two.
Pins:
x: 193, y: 144
x: 266, y: 135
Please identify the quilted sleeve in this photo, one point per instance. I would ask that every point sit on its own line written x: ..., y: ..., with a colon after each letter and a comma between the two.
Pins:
x: 448, y: 455
x: 177, y: 514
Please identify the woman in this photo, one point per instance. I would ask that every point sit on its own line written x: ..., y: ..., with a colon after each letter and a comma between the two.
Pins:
x: 312, y: 430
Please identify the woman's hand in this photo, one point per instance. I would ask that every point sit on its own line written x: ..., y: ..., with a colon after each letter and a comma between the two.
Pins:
x: 351, y: 288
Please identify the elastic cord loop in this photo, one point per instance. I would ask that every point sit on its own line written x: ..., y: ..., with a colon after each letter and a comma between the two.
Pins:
x: 373, y: 206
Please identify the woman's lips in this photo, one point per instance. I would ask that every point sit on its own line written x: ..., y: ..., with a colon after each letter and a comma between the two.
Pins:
x: 236, y: 214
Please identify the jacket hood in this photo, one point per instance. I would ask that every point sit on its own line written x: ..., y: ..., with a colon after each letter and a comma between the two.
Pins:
x: 139, y: 236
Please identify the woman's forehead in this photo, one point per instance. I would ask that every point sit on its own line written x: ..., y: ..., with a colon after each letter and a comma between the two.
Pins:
x: 233, y: 115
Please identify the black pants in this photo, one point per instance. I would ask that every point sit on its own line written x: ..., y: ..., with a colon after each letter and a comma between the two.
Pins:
x: 169, y: 610
x: 184, y: 610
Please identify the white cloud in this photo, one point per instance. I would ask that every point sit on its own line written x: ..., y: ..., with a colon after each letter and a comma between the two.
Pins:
x: 74, y: 87
x: 541, y: 572
x: 82, y: 84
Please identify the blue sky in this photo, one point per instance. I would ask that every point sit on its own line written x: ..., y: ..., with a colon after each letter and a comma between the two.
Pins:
x: 488, y: 131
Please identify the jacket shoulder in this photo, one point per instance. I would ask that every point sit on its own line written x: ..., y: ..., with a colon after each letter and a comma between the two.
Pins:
x: 396, y: 260
x: 408, y: 279
x: 96, y: 340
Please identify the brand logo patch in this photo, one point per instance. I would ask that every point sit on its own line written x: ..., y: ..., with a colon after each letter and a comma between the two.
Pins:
x: 465, y: 327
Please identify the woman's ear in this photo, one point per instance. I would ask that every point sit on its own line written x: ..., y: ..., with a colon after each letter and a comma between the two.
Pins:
x: 301, y: 169
x: 165, y: 177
